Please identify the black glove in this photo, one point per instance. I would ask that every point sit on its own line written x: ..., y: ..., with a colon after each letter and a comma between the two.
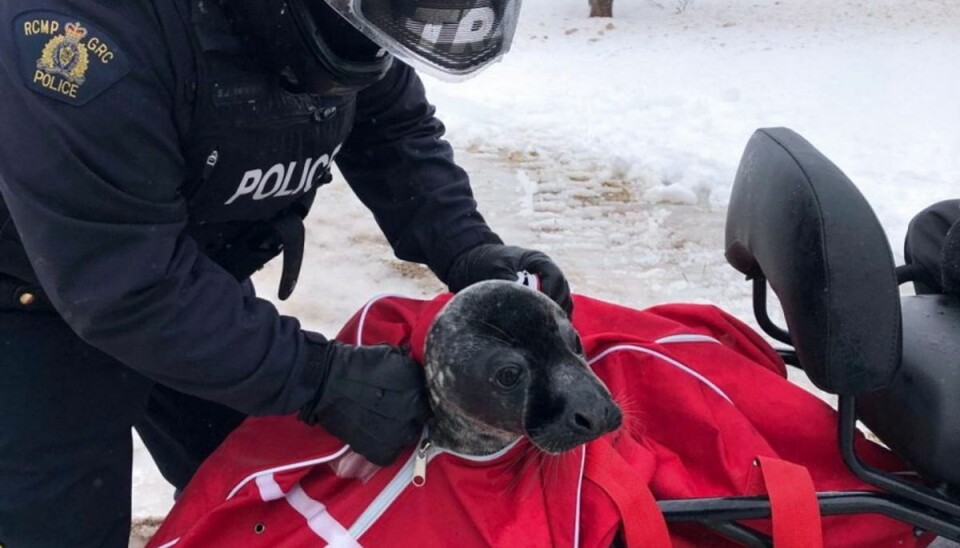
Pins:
x: 371, y: 397
x: 504, y: 262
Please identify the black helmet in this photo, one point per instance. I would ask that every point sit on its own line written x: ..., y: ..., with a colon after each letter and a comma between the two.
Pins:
x: 341, y: 46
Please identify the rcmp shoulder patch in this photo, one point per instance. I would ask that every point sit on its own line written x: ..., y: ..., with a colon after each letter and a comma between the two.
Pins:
x: 65, y: 58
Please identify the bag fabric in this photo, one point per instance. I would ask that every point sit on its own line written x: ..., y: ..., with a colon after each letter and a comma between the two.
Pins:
x: 707, y: 412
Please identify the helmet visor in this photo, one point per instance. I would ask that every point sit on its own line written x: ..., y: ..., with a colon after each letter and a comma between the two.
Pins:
x: 450, y: 39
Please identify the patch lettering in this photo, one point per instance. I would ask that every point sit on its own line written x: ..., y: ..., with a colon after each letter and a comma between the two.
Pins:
x: 278, y: 181
x: 66, y: 59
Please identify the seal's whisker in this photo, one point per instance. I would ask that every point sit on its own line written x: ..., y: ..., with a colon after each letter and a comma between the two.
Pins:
x: 631, y: 416
x: 549, y: 469
x: 633, y: 424
x: 520, y: 464
x: 507, y: 337
x: 623, y: 399
x: 536, y: 461
x: 541, y: 457
x: 494, y: 338
x: 554, y: 468
x: 627, y: 404
x: 530, y: 459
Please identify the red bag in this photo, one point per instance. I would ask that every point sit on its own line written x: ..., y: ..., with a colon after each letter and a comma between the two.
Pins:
x: 708, y: 412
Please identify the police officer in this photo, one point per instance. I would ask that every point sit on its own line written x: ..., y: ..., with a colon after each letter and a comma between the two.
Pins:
x: 153, y: 155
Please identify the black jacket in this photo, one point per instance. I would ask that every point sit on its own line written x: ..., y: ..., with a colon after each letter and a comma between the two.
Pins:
x: 141, y: 142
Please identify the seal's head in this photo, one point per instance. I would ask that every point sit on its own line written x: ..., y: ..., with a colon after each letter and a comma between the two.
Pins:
x: 503, y: 361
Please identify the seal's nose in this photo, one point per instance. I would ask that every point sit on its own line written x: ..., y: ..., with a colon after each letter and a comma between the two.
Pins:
x: 613, y: 416
x: 591, y: 421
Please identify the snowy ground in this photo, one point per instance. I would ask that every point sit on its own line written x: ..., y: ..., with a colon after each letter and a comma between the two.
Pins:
x: 612, y: 144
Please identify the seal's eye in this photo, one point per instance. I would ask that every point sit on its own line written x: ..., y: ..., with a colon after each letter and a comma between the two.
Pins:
x: 572, y: 339
x: 577, y: 345
x: 509, y: 376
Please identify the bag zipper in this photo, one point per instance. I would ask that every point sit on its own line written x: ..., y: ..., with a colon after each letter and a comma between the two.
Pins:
x: 391, y: 492
x: 420, y: 463
x: 414, y: 471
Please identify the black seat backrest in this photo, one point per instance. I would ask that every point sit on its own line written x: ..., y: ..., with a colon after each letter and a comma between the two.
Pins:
x: 796, y: 219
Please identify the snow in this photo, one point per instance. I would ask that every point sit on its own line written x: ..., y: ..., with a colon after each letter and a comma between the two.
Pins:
x: 612, y: 145
x: 659, y: 98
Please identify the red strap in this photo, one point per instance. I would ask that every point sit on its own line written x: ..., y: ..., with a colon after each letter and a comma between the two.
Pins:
x: 643, y: 523
x: 793, y: 504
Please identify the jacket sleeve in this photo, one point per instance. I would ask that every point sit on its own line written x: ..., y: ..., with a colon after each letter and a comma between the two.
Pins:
x: 404, y: 172
x: 93, y: 190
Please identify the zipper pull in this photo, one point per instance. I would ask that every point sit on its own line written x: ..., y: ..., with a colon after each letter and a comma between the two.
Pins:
x: 420, y: 464
x: 210, y: 164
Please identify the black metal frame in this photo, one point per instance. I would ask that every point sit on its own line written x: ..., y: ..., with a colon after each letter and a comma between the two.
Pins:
x: 913, y: 503
x: 760, y: 312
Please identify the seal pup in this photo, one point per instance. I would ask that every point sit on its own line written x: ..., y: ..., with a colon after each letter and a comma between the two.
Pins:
x: 502, y: 362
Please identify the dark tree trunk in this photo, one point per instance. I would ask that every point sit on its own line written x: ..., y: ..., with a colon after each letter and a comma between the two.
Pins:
x: 601, y: 8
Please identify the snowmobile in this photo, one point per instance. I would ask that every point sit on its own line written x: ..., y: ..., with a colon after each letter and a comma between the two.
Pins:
x: 797, y: 225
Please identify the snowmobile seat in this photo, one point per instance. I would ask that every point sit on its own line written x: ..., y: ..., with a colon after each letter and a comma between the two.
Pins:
x: 918, y: 414
x: 798, y: 222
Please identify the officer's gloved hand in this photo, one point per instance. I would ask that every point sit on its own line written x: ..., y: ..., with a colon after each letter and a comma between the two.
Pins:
x: 504, y: 262
x: 371, y: 397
